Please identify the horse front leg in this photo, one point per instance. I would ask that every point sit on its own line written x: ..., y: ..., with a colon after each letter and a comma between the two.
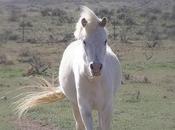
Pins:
x: 86, y: 114
x: 77, y: 117
x: 105, y: 118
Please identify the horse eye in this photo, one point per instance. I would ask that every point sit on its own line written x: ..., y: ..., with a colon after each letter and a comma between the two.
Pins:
x: 84, y: 42
x: 105, y: 42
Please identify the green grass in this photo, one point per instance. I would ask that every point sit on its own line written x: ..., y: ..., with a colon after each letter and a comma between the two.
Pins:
x: 148, y: 66
x: 58, y: 113
x: 10, y: 73
x: 152, y: 111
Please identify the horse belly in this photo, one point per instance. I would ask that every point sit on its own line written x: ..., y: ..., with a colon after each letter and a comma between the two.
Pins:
x: 68, y: 86
x: 66, y: 76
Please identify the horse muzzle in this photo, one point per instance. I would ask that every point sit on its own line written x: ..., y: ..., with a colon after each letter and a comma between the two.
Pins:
x: 96, y: 68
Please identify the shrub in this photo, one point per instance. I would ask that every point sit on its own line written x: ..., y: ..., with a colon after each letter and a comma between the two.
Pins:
x: 173, y: 12
x: 37, y: 65
x: 3, y: 59
x: 6, y: 60
x: 46, y: 12
x: 26, y: 24
x: 14, y: 14
x: 67, y: 37
x: 31, y: 40
x: 58, y: 12
x: 25, y: 52
x: 53, y: 12
x: 104, y: 13
x: 62, y: 15
x: 166, y: 15
x: 171, y: 31
x: 13, y: 37
x: 8, y: 35
x: 154, y: 10
x: 129, y: 21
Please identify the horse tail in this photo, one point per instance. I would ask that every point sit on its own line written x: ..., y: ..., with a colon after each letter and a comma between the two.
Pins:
x: 48, y: 94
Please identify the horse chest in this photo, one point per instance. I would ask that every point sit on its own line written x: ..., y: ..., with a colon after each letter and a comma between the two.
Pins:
x: 95, y: 95
x: 97, y: 99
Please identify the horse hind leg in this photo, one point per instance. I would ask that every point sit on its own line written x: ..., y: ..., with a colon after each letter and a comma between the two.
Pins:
x: 77, y: 117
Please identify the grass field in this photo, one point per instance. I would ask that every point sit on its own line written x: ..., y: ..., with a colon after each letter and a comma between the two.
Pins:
x: 139, y: 104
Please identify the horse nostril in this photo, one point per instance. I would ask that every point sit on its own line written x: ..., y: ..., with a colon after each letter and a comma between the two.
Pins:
x: 101, y: 66
x: 91, y: 66
x: 96, y: 66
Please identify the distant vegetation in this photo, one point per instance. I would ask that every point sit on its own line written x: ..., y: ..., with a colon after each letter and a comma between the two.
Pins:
x: 51, y: 24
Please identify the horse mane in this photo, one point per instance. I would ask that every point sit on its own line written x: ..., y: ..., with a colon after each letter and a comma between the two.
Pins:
x: 92, y: 22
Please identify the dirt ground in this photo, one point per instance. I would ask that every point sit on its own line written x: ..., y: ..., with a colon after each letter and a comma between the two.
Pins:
x: 29, y: 124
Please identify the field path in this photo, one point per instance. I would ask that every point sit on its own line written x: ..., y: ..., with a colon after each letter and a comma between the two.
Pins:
x: 29, y: 124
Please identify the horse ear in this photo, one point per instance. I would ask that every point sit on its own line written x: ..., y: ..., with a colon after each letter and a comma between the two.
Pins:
x: 83, y: 22
x: 103, y: 22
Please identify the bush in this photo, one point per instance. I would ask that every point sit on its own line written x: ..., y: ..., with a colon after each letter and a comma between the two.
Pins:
x: 67, y: 37
x: 31, y: 40
x: 166, y: 15
x: 26, y: 24
x: 53, y: 12
x: 140, y: 32
x: 171, y: 32
x: 37, y: 65
x: 46, y: 12
x: 154, y: 10
x: 129, y: 21
x: 8, y: 35
x: 6, y: 60
x: 123, y: 9
x: 14, y: 14
x: 61, y: 14
x: 173, y: 13
x: 25, y: 52
x: 13, y: 37
x: 104, y: 13
x: 58, y: 12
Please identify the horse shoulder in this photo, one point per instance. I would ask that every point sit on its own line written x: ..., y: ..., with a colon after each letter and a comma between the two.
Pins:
x: 68, y: 56
x: 66, y: 75
x: 114, y: 68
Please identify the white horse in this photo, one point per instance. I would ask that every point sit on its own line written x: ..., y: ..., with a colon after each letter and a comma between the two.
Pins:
x: 89, y: 75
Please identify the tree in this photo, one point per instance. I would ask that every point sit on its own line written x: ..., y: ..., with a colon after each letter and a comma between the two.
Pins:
x: 24, y: 25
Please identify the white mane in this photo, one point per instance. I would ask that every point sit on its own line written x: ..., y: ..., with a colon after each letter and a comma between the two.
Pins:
x: 92, y: 23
